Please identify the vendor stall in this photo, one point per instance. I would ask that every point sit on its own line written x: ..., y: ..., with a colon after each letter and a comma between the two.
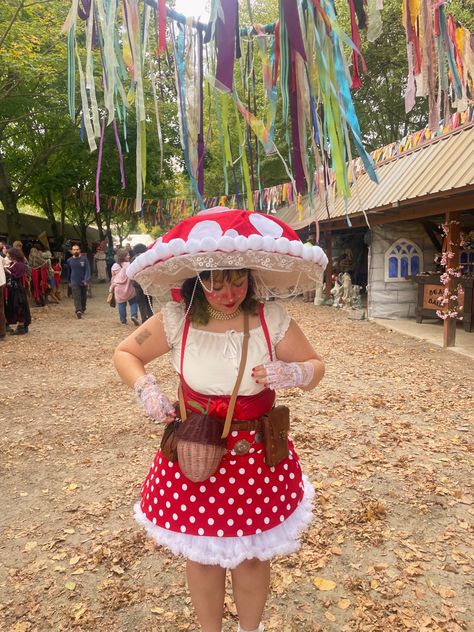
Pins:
x: 430, y: 293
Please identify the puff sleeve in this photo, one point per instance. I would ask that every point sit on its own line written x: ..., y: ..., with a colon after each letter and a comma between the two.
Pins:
x: 278, y: 321
x: 173, y: 322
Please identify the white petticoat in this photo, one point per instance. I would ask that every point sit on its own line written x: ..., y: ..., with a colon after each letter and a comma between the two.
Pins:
x: 230, y: 552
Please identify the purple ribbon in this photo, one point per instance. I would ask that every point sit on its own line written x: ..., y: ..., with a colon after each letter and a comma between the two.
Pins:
x: 225, y: 43
x: 292, y: 22
x: 298, y: 170
x: 84, y: 13
x: 99, y: 165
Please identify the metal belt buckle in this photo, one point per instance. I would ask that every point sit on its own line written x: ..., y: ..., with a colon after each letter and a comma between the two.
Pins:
x: 241, y: 447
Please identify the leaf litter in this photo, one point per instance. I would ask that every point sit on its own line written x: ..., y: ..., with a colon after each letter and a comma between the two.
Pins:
x: 386, y: 441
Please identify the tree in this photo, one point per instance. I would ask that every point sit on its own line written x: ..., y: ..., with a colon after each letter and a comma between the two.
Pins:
x: 32, y: 70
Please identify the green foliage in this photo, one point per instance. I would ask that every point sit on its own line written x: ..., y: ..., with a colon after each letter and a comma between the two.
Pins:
x: 463, y: 12
x: 42, y: 156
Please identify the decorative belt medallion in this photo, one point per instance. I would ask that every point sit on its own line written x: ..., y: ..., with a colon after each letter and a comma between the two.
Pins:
x: 241, y: 447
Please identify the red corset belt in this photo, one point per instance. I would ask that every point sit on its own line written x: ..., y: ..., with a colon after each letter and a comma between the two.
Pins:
x: 246, y: 406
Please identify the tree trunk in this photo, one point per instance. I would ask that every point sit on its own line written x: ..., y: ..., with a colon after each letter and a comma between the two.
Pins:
x: 100, y: 228
x: 48, y: 208
x: 110, y: 241
x: 9, y: 199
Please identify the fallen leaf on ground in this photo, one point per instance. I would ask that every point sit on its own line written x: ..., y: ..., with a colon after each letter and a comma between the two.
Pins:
x: 324, y: 584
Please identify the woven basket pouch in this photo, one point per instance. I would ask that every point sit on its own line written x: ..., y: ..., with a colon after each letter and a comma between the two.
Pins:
x: 202, y: 429
x: 199, y: 461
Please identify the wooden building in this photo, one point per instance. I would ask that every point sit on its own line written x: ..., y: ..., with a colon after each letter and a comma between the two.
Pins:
x: 391, y: 230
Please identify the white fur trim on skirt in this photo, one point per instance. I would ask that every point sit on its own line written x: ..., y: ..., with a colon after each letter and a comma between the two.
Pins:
x: 230, y: 552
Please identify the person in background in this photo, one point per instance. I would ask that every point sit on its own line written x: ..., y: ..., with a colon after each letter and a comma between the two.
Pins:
x: 109, y: 261
x: 123, y: 289
x: 3, y: 280
x: 17, y: 310
x: 51, y: 295
x: 100, y: 262
x: 308, y: 296
x: 19, y: 244
x: 144, y: 301
x: 79, y: 274
x: 39, y: 274
x: 57, y: 268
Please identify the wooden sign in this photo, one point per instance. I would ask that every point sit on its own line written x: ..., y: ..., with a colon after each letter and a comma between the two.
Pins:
x: 431, y: 294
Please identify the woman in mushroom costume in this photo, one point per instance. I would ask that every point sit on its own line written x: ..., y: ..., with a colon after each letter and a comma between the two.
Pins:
x: 225, y: 262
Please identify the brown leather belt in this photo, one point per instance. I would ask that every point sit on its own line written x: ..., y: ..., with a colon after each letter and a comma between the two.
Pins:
x: 247, y: 424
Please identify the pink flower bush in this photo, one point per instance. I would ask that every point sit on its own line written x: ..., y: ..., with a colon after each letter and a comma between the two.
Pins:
x: 449, y: 302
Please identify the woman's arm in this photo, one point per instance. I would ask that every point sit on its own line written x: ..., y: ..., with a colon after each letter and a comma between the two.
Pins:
x: 144, y: 345
x: 295, y: 347
x: 297, y: 363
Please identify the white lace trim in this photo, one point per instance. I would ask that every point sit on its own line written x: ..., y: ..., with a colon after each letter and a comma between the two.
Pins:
x: 230, y: 552
x: 274, y: 273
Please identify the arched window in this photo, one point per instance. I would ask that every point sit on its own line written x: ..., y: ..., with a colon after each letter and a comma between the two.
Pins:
x: 402, y: 259
x: 466, y: 259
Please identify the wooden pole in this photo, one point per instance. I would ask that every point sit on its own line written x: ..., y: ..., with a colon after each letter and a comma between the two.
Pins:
x: 328, y: 236
x: 452, y: 247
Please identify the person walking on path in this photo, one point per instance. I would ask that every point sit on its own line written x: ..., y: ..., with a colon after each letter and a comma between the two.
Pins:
x: 57, y: 269
x: 109, y: 262
x: 17, y: 309
x: 79, y: 274
x: 39, y: 274
x: 123, y: 289
x: 3, y: 281
x: 143, y: 300
x: 99, y: 258
x: 254, y: 505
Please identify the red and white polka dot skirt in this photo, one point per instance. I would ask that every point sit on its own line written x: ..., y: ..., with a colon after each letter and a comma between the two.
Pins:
x: 243, y: 498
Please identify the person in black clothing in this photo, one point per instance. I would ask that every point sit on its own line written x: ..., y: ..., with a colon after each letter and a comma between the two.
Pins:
x: 79, y: 274
x: 144, y: 301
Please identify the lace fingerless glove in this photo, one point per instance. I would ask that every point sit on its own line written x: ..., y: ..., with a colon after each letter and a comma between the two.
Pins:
x: 288, y: 374
x: 154, y: 401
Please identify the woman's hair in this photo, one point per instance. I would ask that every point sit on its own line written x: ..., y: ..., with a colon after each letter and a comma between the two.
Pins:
x: 138, y: 249
x: 18, y: 244
x: 121, y: 255
x: 16, y: 254
x: 198, y: 311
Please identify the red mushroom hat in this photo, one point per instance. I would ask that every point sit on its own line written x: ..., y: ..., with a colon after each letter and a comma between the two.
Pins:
x: 223, y: 239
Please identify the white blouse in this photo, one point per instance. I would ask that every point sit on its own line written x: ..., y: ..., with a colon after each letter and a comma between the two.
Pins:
x: 211, y: 360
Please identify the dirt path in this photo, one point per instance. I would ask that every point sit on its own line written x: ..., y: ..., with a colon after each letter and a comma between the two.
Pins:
x: 386, y: 440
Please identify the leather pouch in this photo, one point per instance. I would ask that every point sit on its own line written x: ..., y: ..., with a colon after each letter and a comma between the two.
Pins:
x: 169, y: 439
x: 276, y: 426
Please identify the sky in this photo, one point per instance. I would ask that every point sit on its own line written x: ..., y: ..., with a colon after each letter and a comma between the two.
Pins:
x: 196, y: 8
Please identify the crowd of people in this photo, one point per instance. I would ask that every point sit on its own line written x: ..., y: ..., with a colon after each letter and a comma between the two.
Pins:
x: 32, y: 276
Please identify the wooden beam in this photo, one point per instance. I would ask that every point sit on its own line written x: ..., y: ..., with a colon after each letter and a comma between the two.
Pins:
x: 410, y: 209
x: 451, y: 246
x: 430, y: 231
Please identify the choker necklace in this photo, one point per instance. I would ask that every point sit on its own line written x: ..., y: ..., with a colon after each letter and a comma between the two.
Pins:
x: 217, y: 315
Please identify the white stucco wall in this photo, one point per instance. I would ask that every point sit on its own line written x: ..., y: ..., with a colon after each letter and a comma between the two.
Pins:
x: 394, y: 299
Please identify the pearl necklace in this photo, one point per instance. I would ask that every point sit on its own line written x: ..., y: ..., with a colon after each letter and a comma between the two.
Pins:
x: 217, y: 315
